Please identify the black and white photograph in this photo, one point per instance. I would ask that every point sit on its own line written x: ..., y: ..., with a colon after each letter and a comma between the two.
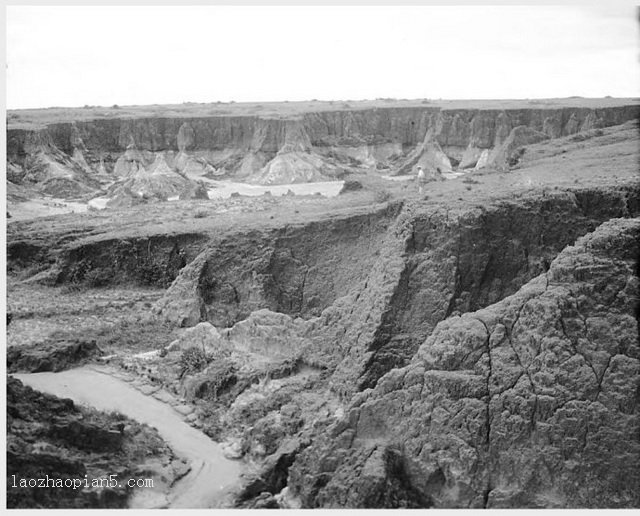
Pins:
x: 321, y: 256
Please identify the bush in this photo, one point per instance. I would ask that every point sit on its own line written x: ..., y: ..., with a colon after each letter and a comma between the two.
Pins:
x: 382, y: 196
x: 98, y: 277
x: 515, y: 158
x: 351, y: 185
x: 200, y: 214
x: 72, y: 288
x: 192, y: 360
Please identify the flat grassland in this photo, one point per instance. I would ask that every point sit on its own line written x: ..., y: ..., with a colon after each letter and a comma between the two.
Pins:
x: 34, y: 118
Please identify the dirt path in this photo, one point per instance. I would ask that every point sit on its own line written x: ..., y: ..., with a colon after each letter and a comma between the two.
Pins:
x: 212, y: 476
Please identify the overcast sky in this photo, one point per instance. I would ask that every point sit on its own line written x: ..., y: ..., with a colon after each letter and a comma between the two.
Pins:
x: 72, y: 56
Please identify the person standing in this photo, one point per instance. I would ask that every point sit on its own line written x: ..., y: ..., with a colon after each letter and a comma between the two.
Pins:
x: 421, y: 180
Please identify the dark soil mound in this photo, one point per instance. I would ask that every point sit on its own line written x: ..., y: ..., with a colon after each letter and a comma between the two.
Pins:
x: 51, y: 355
x: 194, y: 191
x: 350, y: 185
x: 49, y: 436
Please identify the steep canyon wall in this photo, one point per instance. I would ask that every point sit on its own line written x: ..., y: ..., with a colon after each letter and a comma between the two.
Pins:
x: 320, y: 144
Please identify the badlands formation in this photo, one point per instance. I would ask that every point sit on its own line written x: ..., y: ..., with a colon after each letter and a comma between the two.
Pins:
x: 473, y: 344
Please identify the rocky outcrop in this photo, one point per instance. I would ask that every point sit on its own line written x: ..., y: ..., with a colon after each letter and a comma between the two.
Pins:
x: 530, y: 402
x: 42, y: 165
x: 428, y: 155
x: 158, y: 181
x: 272, y: 476
x: 195, y: 191
x: 294, y: 162
x: 293, y: 167
x: 54, y: 173
x: 203, y: 336
x: 509, y: 152
x: 264, y: 332
x: 268, y: 333
x: 183, y: 303
x: 266, y: 344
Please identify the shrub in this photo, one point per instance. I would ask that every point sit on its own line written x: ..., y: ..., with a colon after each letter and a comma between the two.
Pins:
x: 192, y: 360
x: 514, y: 159
x: 200, y: 214
x: 150, y: 273
x: 72, y: 288
x: 382, y: 196
x: 98, y: 277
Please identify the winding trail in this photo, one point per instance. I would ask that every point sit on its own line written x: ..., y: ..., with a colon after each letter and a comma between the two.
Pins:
x: 212, y: 476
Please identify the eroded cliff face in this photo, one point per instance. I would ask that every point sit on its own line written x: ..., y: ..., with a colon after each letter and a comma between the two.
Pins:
x: 297, y: 270
x: 309, y: 147
x: 436, y: 263
x: 530, y: 402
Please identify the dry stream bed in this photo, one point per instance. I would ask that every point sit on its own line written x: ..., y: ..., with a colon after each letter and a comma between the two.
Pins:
x: 212, y: 476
